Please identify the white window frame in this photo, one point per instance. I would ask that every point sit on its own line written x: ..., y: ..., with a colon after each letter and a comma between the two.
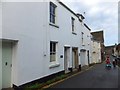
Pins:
x: 73, y: 24
x: 52, y: 13
x: 53, y: 51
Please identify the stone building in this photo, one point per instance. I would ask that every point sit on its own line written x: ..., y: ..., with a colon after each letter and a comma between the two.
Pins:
x: 99, y: 36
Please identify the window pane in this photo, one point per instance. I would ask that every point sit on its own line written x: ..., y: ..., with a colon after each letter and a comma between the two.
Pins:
x: 53, y: 19
x: 72, y: 21
x: 54, y: 47
x: 52, y: 57
x: 52, y: 51
x: 50, y: 47
x: 72, y: 28
x: 51, y: 10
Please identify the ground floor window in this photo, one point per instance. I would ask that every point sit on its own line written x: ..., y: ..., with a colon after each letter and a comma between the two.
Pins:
x: 53, y: 51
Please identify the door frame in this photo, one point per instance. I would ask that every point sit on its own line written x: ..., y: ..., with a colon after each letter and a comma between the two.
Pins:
x: 7, y: 65
x: 13, y: 53
x: 66, y: 59
x: 83, y: 57
x: 88, y: 55
x: 75, y: 58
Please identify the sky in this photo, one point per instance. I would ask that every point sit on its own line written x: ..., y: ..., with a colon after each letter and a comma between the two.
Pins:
x: 99, y: 15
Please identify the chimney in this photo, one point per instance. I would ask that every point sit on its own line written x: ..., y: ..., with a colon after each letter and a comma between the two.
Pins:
x: 80, y: 16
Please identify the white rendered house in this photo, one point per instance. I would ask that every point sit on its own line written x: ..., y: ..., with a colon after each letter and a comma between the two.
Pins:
x: 40, y: 39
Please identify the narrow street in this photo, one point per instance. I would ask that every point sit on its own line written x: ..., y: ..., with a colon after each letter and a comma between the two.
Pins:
x: 95, y: 77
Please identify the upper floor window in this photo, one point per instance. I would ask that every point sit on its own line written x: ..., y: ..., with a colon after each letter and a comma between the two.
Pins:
x: 82, y: 37
x: 52, y: 12
x: 73, y: 22
x: 52, y: 51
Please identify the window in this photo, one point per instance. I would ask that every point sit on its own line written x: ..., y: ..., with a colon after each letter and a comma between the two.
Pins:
x: 73, y: 20
x: 52, y: 12
x: 82, y: 37
x: 52, y: 51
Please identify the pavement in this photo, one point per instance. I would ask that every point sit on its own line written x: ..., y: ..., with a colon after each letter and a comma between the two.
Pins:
x: 96, y: 77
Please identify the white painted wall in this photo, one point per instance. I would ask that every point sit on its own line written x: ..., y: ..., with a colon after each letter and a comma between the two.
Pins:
x: 63, y: 34
x: 87, y: 44
x: 28, y: 22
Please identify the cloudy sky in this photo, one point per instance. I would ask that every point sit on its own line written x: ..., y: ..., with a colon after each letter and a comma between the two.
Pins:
x: 100, y: 15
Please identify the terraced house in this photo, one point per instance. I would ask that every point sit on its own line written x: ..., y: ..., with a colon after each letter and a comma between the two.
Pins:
x: 40, y: 39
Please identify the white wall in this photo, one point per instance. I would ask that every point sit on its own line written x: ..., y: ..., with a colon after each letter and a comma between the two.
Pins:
x: 28, y: 22
x: 0, y: 45
x: 87, y: 43
x: 63, y: 34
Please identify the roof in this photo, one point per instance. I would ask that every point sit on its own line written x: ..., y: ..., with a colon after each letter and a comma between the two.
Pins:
x: 87, y: 26
x: 77, y: 15
x: 67, y: 8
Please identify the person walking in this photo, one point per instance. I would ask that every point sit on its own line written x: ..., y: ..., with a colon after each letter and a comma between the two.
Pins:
x: 114, y: 63
x: 108, y: 63
x: 107, y: 60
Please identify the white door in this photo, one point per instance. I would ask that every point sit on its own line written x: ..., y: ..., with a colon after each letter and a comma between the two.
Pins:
x: 6, y: 64
x: 82, y: 57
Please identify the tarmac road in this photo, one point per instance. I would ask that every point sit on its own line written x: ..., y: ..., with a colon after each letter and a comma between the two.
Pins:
x: 95, y: 77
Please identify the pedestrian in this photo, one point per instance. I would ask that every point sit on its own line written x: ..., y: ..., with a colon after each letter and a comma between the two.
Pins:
x: 107, y: 60
x: 108, y: 64
x: 114, y: 63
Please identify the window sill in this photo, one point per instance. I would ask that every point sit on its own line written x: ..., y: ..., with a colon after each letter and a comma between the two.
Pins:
x: 51, y: 24
x: 54, y: 65
x: 74, y: 33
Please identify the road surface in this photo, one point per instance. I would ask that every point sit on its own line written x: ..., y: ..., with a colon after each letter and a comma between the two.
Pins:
x: 95, y: 77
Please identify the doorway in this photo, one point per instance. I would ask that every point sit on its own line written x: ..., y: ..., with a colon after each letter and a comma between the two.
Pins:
x: 6, y: 64
x: 75, y: 58
x: 88, y: 57
x: 83, y: 57
x: 66, y: 58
